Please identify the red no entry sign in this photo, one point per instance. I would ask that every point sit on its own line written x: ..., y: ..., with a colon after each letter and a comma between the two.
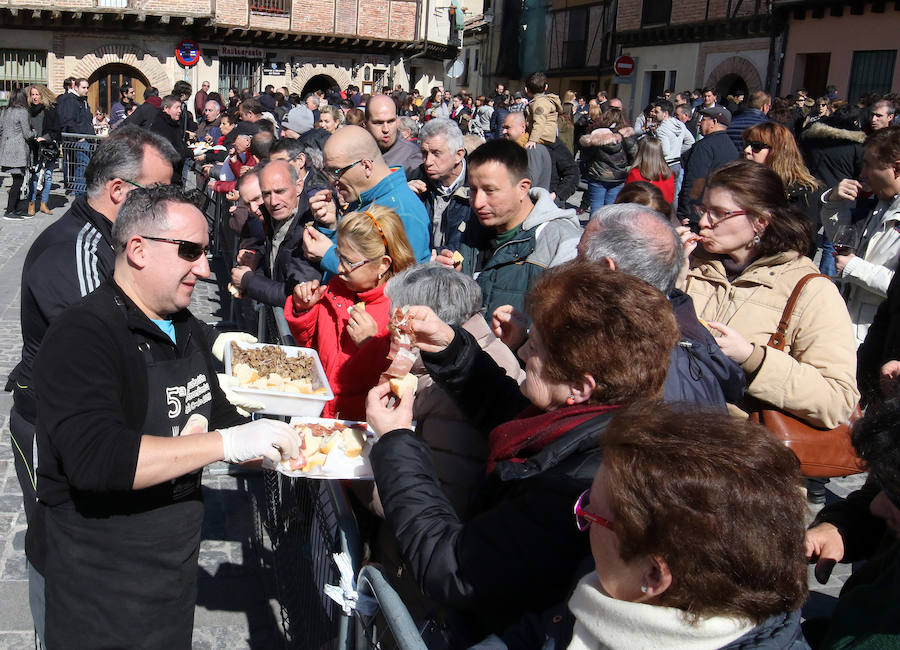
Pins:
x: 624, y: 66
x: 188, y: 53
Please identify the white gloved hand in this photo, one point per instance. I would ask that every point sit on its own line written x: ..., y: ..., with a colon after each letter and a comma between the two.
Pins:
x: 244, y: 405
x: 270, y: 439
x: 223, y: 339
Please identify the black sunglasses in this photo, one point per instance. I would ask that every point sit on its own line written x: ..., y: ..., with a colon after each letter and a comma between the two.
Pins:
x: 756, y: 145
x: 187, y: 250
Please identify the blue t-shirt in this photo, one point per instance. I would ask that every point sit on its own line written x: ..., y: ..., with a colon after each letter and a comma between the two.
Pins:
x: 167, y: 326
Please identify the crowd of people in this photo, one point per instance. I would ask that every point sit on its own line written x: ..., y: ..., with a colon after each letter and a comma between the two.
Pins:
x: 603, y: 358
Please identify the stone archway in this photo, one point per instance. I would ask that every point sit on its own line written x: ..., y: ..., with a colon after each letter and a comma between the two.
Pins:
x: 736, y: 66
x: 341, y: 76
x: 135, y: 57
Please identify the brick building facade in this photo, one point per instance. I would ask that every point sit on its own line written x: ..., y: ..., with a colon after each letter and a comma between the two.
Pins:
x: 301, y: 44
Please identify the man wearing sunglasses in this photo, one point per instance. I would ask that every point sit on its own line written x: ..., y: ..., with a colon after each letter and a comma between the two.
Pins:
x: 70, y: 259
x: 120, y: 379
x: 711, y: 152
x: 359, y: 173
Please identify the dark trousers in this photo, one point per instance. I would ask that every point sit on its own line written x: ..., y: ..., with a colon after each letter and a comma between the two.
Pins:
x: 22, y: 439
x: 13, y: 199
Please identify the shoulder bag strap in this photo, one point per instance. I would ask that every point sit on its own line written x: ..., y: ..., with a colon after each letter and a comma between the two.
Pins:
x: 777, y: 339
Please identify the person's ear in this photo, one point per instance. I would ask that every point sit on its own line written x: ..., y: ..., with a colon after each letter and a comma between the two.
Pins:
x: 117, y: 190
x: 384, y: 265
x: 523, y: 186
x: 610, y: 263
x: 656, y: 579
x: 761, y: 223
x: 896, y: 167
x: 136, y: 252
x: 582, y: 390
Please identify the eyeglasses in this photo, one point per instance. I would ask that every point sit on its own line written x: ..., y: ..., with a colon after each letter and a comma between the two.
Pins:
x: 350, y: 266
x: 715, y: 215
x: 135, y: 183
x: 336, y: 174
x: 584, y: 519
x: 187, y: 250
x: 756, y: 146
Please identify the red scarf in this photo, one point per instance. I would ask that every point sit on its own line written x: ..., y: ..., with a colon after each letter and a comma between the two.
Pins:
x: 519, y: 439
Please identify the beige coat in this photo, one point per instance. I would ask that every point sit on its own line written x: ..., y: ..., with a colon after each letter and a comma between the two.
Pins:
x: 815, y: 377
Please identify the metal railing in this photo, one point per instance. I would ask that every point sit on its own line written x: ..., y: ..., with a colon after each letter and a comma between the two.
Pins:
x: 77, y: 150
x: 392, y: 622
x: 271, y: 7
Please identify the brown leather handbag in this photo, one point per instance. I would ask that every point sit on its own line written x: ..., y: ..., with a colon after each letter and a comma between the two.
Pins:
x: 823, y: 453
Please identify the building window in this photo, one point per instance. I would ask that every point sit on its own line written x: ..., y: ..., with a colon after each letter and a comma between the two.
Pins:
x: 575, y: 47
x: 871, y: 72
x: 238, y: 73
x: 20, y: 68
x: 271, y: 7
x: 656, y: 12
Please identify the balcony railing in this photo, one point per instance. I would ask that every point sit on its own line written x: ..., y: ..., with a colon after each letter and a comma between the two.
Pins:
x: 271, y: 7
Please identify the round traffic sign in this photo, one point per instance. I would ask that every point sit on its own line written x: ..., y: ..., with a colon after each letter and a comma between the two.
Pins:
x: 624, y: 66
x: 187, y: 52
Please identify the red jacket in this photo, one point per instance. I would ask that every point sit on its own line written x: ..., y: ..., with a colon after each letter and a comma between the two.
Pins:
x: 351, y: 371
x: 667, y: 186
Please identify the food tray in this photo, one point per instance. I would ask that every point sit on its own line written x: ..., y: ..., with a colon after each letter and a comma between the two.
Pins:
x: 338, y: 466
x: 278, y: 402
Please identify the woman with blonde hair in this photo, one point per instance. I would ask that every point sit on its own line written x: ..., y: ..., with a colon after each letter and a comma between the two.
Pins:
x: 330, y: 118
x: 650, y: 166
x: 346, y: 320
x: 42, y: 117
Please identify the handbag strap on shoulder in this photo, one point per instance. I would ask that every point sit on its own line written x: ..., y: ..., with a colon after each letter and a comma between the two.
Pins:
x: 777, y: 339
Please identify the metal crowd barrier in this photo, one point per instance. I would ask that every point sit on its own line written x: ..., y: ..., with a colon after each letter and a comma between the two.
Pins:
x: 394, y: 628
x: 77, y: 150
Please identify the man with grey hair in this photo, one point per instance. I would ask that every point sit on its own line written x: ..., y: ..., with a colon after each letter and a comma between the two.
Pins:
x: 408, y: 129
x: 128, y: 416
x: 444, y: 191
x: 71, y: 258
x: 634, y: 239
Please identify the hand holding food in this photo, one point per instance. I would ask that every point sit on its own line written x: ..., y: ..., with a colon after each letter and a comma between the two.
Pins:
x: 431, y: 333
x: 307, y: 294
x: 383, y: 416
x: 315, y: 244
x: 323, y: 209
x: 361, y: 326
x: 223, y: 339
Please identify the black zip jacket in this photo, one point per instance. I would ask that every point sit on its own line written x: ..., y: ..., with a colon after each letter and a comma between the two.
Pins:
x: 520, y: 548
x: 67, y: 261
x: 91, y: 380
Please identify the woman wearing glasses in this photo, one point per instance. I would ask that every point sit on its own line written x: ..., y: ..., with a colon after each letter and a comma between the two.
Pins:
x: 346, y: 320
x: 599, y: 339
x: 691, y: 548
x: 773, y: 145
x: 751, y: 255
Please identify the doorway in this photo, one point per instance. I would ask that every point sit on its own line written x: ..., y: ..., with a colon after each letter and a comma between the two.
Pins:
x: 106, y: 81
x: 319, y: 82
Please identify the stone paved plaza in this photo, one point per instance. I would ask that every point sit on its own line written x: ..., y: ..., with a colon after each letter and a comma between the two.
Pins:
x: 236, y: 607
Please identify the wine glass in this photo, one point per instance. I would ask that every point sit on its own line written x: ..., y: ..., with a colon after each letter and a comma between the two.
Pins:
x: 845, y: 240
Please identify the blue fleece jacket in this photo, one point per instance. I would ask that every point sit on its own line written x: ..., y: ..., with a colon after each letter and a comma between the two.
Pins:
x: 393, y: 192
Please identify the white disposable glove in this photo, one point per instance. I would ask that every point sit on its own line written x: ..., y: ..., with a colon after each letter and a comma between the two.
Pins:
x: 270, y: 439
x: 225, y: 338
x: 245, y: 405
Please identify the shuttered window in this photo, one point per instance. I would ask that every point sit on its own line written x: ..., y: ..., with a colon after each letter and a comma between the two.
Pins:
x: 872, y: 71
x: 19, y: 68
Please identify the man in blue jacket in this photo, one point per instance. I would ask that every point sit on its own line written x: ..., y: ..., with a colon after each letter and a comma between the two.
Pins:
x: 352, y: 160
x: 756, y: 112
x: 713, y: 151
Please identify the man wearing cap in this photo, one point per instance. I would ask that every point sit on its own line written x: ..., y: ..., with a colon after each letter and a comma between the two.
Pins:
x: 241, y: 157
x: 381, y: 122
x: 713, y: 151
x: 298, y: 121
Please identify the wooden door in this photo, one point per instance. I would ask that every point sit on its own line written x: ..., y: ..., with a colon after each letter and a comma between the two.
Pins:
x: 105, y: 83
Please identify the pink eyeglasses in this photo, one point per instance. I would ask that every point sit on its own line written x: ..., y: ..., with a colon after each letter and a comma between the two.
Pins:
x: 584, y: 519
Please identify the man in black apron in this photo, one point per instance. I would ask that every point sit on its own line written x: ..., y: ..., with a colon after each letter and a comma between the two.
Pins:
x: 116, y: 532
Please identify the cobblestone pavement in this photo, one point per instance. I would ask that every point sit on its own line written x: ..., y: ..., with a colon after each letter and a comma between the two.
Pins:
x: 236, y: 607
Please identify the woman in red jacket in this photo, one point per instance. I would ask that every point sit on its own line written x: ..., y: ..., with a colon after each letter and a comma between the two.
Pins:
x: 346, y: 320
x: 650, y: 165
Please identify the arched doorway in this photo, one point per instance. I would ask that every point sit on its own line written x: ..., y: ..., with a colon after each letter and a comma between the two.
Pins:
x: 731, y: 84
x: 106, y: 81
x: 319, y: 82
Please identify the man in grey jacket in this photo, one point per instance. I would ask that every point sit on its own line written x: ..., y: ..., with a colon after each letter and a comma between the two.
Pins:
x: 673, y: 135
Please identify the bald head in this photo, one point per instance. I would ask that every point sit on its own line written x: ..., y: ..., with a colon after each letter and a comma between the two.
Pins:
x: 381, y: 120
x: 514, y: 125
x: 349, y: 144
x: 634, y: 239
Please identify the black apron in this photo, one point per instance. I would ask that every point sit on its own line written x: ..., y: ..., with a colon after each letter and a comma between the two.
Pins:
x: 122, y: 572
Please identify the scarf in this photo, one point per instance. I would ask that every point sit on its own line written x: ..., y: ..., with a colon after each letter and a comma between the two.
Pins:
x: 523, y: 437
x: 35, y: 109
x: 604, y: 622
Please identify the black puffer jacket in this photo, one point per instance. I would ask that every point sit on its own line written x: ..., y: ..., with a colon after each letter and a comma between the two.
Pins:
x: 832, y: 154
x: 520, y: 550
x: 609, y: 163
